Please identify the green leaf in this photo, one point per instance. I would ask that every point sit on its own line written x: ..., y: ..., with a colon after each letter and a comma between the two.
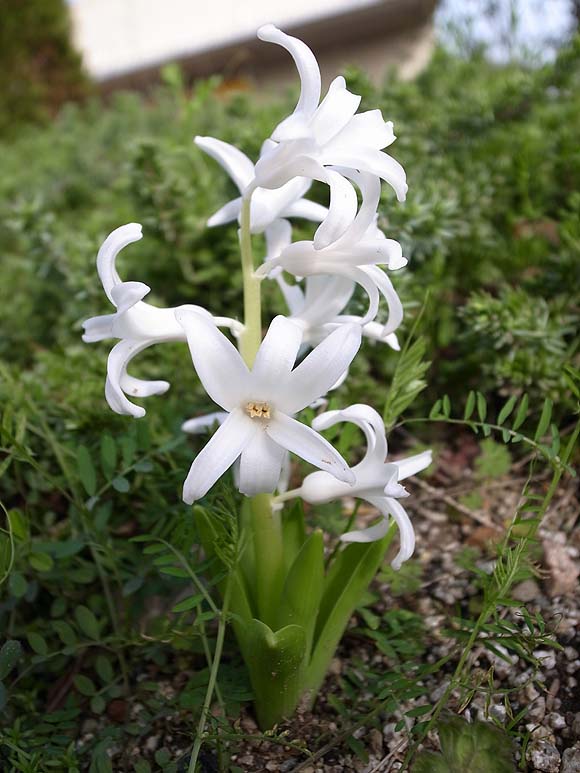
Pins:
x: 84, y: 685
x: 104, y: 669
x: 65, y: 633
x: 42, y: 562
x: 9, y: 654
x: 505, y: 412
x: 108, y: 455
x: 18, y: 524
x: 86, y: 470
x: 17, y: 584
x: 545, y: 418
x: 3, y: 696
x: 348, y: 578
x: 446, y: 405
x: 469, y: 405
x: 303, y: 588
x: 276, y: 663
x: 87, y: 622
x: 188, y: 603
x: 98, y: 704
x: 435, y: 411
x: 37, y: 642
x: 521, y: 413
x: 481, y: 406
x: 121, y: 484
x: 293, y: 531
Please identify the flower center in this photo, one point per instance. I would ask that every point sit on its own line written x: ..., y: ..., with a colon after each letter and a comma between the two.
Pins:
x: 258, y: 410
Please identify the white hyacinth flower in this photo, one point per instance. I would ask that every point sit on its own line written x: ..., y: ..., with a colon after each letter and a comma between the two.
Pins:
x: 376, y: 480
x: 267, y: 206
x: 261, y: 402
x: 317, y: 135
x: 138, y: 325
x: 317, y: 310
x: 352, y: 253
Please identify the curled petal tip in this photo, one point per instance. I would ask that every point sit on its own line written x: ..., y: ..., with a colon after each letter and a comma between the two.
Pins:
x: 266, y: 31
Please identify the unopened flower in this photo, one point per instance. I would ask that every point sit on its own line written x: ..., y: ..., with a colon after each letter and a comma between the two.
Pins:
x: 376, y: 480
x: 260, y: 403
x: 317, y: 135
x: 353, y: 253
x: 138, y: 325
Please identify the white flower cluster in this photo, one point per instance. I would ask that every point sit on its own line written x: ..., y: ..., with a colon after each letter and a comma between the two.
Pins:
x: 326, y: 141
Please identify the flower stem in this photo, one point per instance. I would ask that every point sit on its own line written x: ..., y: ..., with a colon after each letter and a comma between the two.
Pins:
x: 265, y: 525
x: 251, y: 338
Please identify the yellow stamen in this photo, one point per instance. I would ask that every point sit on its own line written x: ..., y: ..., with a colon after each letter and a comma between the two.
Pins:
x: 258, y: 410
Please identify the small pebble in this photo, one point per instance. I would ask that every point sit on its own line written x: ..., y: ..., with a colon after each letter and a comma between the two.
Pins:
x: 571, y: 760
x: 544, y: 757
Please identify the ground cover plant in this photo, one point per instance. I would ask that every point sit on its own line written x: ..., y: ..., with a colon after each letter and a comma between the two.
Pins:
x: 109, y: 641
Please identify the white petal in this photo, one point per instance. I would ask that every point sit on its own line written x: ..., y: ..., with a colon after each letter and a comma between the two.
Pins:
x: 335, y: 111
x: 199, y: 424
x: 364, y: 417
x: 406, y: 531
x: 371, y: 534
x: 289, y: 160
x: 120, y: 356
x: 275, y: 358
x: 127, y: 294
x: 388, y: 292
x: 107, y: 255
x: 370, y: 186
x: 237, y: 164
x: 278, y: 236
x: 270, y: 204
x: 97, y: 328
x: 320, y: 487
x: 227, y: 214
x: 137, y: 387
x: 370, y: 160
x: 361, y: 277
x: 341, y: 213
x: 218, y: 455
x: 322, y: 367
x: 308, y: 445
x: 293, y: 295
x: 325, y: 297
x: 306, y: 65
x: 309, y: 210
x: 260, y: 465
x: 375, y: 331
x: 218, y: 363
x: 413, y: 464
x: 366, y: 129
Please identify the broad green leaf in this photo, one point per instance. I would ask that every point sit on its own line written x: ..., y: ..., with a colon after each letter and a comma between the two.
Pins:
x: 293, y: 531
x: 435, y: 411
x: 348, y: 578
x: 18, y: 524
x: 446, y: 405
x: 87, y: 622
x: 86, y: 470
x: 9, y: 655
x: 303, y: 588
x: 276, y: 662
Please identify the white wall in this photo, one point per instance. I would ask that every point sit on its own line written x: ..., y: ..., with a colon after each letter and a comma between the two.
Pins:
x: 119, y: 36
